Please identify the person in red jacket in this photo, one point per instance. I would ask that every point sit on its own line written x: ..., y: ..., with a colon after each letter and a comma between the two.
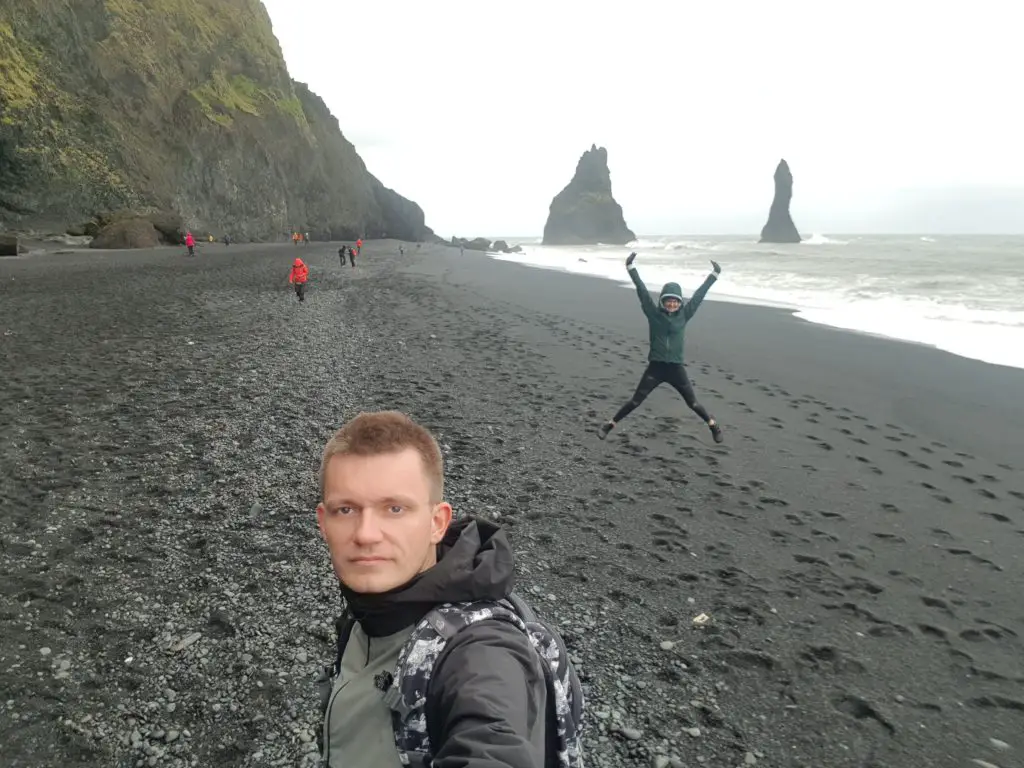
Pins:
x: 359, y: 246
x: 190, y: 243
x: 298, y: 278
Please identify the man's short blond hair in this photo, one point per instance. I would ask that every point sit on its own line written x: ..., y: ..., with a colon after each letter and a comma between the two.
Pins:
x: 371, y: 434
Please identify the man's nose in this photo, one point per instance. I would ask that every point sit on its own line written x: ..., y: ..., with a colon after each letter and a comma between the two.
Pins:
x: 368, y: 529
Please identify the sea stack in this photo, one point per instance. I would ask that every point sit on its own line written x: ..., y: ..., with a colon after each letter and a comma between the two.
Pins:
x: 585, y: 213
x: 780, y: 227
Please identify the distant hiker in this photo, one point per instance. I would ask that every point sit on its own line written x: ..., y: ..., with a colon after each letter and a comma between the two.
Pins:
x: 298, y: 278
x: 462, y: 250
x: 352, y: 257
x: 227, y: 239
x: 666, y: 323
x: 401, y: 250
x: 359, y: 246
x: 306, y: 239
x: 437, y: 661
x: 295, y: 238
x: 341, y: 255
x: 190, y: 243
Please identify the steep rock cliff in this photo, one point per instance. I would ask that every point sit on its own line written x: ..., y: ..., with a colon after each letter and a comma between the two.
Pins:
x: 182, y: 105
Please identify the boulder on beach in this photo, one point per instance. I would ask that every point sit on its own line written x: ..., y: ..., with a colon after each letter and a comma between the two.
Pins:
x: 780, y: 227
x: 500, y: 246
x: 127, y: 233
x: 585, y: 213
x: 132, y: 229
x: 8, y: 245
x: 476, y: 244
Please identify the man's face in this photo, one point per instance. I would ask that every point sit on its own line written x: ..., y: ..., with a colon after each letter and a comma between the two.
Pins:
x: 378, y: 519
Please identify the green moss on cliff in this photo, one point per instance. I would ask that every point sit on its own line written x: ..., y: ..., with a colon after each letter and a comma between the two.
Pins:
x: 19, y: 72
x: 196, y: 26
x: 222, y: 97
x: 108, y: 104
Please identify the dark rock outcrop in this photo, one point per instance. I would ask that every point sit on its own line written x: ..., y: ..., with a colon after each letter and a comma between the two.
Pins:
x: 585, y: 212
x: 102, y: 109
x: 500, y: 246
x: 8, y: 245
x: 127, y: 233
x: 430, y: 236
x: 127, y: 229
x: 476, y: 244
x: 780, y: 227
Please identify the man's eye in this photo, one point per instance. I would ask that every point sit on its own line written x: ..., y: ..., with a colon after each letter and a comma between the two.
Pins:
x: 395, y: 509
x: 343, y: 511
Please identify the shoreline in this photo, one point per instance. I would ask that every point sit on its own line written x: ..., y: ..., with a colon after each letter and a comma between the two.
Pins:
x: 794, y: 309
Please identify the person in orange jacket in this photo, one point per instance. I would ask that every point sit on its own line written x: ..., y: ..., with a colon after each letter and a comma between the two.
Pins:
x: 298, y: 278
x: 359, y: 246
x: 190, y: 243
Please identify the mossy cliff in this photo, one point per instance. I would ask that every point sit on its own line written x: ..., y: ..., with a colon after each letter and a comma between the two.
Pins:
x: 175, y: 104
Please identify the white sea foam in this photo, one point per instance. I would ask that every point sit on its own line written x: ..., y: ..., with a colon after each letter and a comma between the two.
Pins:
x: 962, y: 295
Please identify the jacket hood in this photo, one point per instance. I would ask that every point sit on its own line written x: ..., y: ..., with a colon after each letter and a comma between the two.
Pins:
x: 298, y: 263
x: 670, y: 290
x: 475, y: 562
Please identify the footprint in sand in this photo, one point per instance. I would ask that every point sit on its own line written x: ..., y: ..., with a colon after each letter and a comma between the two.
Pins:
x: 960, y: 552
x: 938, y: 604
x: 884, y: 536
x: 999, y: 517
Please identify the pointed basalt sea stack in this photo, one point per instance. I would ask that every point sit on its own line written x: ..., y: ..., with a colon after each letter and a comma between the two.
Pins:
x: 585, y: 213
x: 780, y: 227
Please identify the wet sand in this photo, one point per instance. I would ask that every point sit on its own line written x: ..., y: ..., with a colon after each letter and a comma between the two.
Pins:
x: 856, y: 541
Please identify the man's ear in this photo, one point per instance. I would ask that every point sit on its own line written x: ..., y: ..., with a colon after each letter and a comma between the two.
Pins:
x: 440, y: 519
x: 321, y: 512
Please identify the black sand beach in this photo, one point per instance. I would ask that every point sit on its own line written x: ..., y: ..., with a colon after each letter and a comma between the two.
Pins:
x: 165, y: 599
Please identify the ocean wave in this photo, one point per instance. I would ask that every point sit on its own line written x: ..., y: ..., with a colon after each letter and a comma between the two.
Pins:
x: 818, y: 239
x: 953, y: 310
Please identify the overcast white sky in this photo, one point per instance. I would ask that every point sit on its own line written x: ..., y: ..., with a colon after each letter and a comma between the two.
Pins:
x: 887, y: 112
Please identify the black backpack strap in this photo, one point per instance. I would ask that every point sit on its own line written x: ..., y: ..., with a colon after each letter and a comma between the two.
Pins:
x: 522, y: 608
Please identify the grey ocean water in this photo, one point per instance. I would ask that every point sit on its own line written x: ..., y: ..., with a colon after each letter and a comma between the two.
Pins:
x: 962, y: 294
